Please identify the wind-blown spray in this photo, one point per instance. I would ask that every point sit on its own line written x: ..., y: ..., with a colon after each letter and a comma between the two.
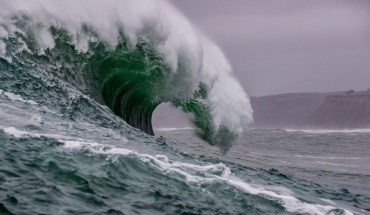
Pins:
x: 131, y: 55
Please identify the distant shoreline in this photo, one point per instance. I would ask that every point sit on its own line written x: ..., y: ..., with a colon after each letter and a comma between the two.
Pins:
x: 335, y: 110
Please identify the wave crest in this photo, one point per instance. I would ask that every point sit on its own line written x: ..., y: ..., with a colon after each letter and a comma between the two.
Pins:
x: 130, y: 55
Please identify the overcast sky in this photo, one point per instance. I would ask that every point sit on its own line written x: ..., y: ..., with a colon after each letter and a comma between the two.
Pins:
x: 279, y: 46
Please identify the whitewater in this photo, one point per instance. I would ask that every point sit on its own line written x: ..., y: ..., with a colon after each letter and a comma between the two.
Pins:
x: 132, y: 56
x: 79, y: 81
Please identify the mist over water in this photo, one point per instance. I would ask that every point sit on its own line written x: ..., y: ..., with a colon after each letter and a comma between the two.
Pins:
x: 79, y: 82
x: 131, y: 41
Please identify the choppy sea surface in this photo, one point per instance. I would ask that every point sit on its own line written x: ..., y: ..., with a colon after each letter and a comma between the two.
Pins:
x: 338, y: 158
x: 316, y: 165
x: 62, y: 152
x: 79, y: 158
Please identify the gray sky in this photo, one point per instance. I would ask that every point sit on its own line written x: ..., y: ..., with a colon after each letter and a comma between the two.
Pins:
x: 278, y: 46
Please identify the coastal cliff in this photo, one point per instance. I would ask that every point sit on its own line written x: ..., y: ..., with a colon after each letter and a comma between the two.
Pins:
x: 338, y: 110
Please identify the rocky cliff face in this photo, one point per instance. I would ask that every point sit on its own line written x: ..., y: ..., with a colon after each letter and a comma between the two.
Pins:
x: 312, y: 110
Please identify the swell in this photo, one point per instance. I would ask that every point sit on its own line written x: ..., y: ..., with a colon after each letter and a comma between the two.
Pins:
x: 130, y: 58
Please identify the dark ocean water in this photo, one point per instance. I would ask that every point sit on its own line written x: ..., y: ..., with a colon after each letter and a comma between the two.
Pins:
x: 82, y: 159
x: 338, y: 158
x: 329, y: 166
x: 63, y: 152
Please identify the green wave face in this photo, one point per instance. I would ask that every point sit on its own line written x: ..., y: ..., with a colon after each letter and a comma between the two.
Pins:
x: 131, y: 78
x: 135, y: 82
x: 129, y: 82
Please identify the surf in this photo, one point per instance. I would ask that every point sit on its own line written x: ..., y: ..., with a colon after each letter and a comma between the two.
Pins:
x: 131, y: 56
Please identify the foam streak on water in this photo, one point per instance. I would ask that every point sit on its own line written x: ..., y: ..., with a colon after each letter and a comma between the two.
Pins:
x: 193, y: 174
x: 209, y: 174
x: 79, y: 81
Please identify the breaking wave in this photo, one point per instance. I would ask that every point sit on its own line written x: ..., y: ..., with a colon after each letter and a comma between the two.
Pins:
x: 131, y: 55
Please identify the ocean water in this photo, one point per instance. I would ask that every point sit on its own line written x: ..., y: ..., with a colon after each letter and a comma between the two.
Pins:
x: 77, y: 93
x: 70, y: 161
x: 331, y: 165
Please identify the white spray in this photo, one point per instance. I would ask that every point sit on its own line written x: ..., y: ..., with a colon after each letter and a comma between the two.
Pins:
x: 156, y: 21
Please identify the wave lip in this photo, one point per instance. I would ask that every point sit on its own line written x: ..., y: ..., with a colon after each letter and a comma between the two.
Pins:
x: 131, y: 55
